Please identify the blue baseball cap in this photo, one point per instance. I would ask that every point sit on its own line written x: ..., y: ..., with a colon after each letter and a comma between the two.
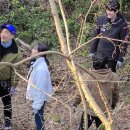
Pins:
x: 9, y: 27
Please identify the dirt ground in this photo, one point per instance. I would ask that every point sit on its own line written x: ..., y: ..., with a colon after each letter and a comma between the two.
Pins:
x: 57, y: 114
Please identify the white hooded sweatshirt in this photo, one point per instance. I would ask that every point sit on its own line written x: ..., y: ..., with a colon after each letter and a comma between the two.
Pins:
x: 39, y: 76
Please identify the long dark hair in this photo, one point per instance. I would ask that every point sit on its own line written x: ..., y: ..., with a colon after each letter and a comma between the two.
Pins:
x: 41, y: 47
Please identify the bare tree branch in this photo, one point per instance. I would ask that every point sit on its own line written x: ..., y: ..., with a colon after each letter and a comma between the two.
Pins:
x: 23, y: 43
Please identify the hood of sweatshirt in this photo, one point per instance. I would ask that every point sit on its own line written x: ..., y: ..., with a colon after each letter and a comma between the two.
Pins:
x: 105, y: 75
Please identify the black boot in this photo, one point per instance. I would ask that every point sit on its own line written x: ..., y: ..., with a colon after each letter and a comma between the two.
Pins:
x: 7, y: 124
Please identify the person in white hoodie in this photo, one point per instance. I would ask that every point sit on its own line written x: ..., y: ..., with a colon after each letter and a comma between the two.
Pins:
x: 39, y: 76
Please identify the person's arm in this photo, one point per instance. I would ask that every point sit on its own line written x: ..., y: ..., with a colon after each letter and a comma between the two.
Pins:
x: 15, y: 77
x: 42, y: 81
x: 94, y: 43
x: 8, y: 58
x: 124, y: 35
x: 115, y: 97
x: 7, y: 71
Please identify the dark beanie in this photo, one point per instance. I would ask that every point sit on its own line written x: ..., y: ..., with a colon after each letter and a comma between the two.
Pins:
x: 100, y: 62
x: 113, y: 4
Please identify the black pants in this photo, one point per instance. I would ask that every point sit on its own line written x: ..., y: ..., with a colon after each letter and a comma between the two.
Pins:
x: 112, y: 64
x: 90, y: 121
x: 6, y: 99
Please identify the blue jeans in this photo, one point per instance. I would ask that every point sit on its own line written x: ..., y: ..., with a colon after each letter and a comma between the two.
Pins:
x: 39, y: 119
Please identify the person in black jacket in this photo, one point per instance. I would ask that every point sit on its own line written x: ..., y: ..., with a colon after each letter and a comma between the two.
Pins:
x: 114, y: 26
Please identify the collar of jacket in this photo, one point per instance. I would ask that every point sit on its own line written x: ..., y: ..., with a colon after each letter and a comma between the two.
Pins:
x: 119, y: 20
x: 6, y: 45
x: 11, y: 49
x: 105, y: 75
x: 38, y: 61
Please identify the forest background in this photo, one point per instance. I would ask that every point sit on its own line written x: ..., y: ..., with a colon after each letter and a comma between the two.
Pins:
x: 34, y: 21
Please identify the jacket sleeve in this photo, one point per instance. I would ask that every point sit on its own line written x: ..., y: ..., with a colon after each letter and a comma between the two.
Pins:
x: 14, y: 77
x: 7, y: 70
x: 115, y: 97
x: 42, y: 82
x: 124, y: 35
x: 96, y: 32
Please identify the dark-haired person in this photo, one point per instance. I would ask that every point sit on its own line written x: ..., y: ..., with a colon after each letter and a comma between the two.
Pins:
x: 112, y: 25
x: 39, y: 76
x: 9, y: 52
x: 109, y: 89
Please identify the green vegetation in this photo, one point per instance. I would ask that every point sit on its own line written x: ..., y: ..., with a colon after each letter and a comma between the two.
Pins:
x: 34, y: 21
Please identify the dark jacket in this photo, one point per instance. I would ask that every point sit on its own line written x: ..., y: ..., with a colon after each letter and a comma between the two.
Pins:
x: 118, y: 29
x: 11, y: 54
x: 110, y: 89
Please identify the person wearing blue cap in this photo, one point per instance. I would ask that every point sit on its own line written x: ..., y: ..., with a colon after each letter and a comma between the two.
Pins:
x: 9, y: 52
x: 114, y: 26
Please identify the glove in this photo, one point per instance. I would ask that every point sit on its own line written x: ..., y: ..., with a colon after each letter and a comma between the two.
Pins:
x: 34, y: 111
x: 119, y: 64
x: 12, y: 91
x: 91, y: 55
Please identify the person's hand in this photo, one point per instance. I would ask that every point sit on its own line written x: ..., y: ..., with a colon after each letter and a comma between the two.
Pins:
x: 91, y: 55
x: 119, y: 64
x: 12, y: 91
x: 34, y: 111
